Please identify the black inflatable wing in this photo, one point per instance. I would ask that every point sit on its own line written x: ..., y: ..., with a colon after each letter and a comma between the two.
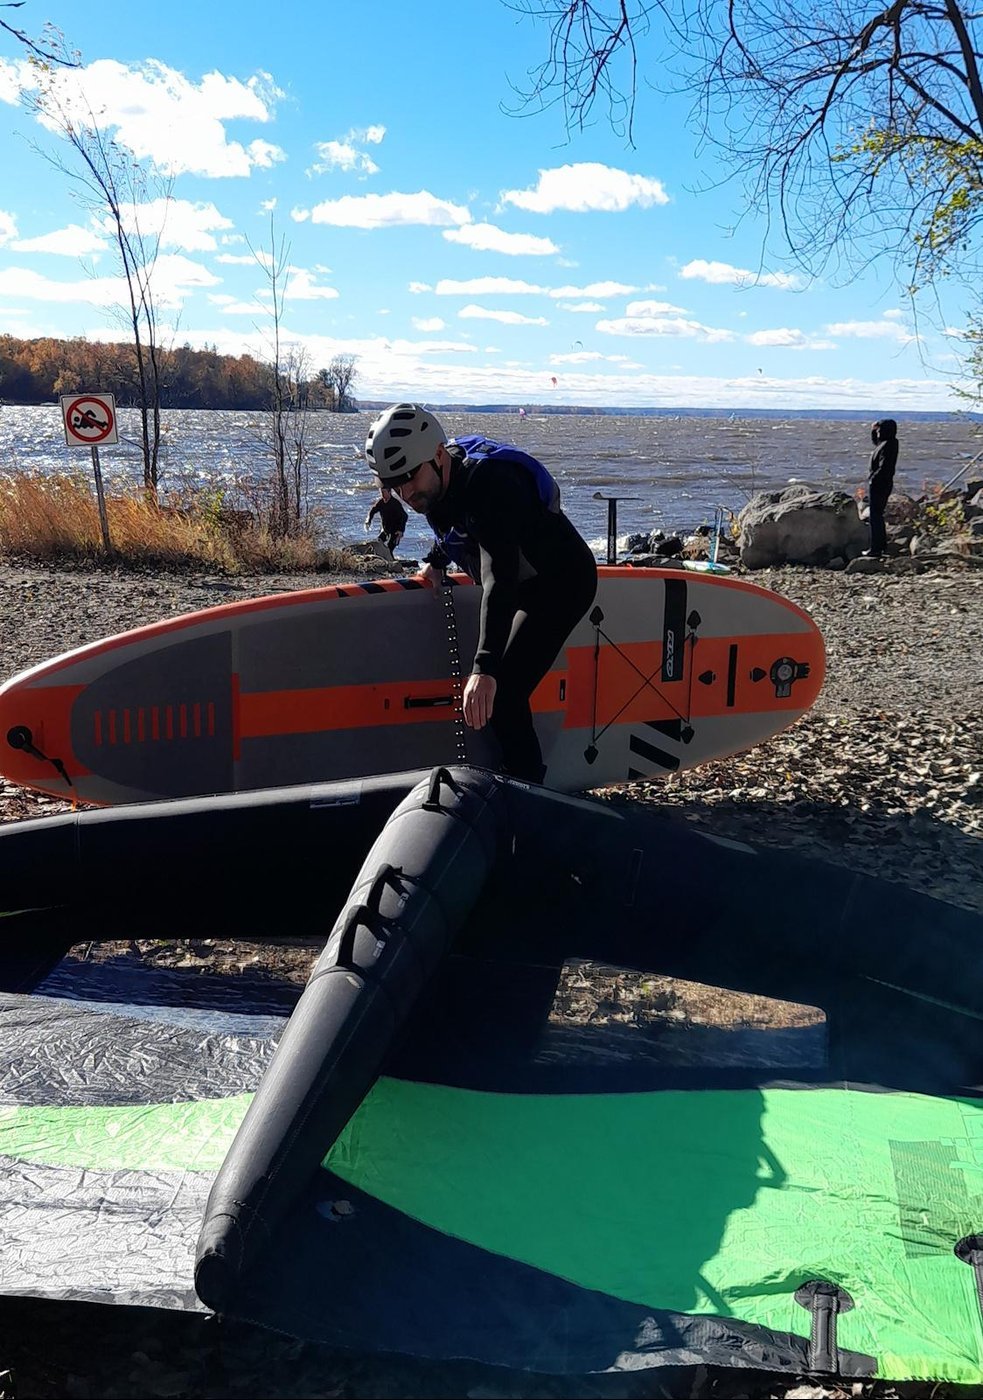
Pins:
x: 433, y: 1164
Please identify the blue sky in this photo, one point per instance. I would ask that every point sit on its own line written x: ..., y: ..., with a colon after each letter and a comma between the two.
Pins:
x: 460, y: 253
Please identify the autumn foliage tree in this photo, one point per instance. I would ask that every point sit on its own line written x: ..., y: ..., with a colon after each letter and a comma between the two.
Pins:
x: 38, y: 370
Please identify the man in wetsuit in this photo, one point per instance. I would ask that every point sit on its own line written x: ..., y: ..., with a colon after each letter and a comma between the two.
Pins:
x: 880, y: 481
x: 496, y: 513
x: 392, y: 518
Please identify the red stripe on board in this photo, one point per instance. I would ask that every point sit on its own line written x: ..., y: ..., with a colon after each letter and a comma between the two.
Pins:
x: 265, y: 714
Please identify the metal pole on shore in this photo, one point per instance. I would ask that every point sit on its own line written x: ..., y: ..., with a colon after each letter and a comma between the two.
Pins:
x: 613, y: 522
x: 107, y: 543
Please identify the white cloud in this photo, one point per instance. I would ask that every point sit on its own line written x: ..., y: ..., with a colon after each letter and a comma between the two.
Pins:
x: 244, y: 308
x: 417, y: 287
x: 27, y: 285
x: 341, y: 155
x: 8, y: 227
x: 180, y: 223
x: 74, y: 241
x: 486, y: 238
x: 653, y: 308
x: 264, y: 154
x: 664, y: 326
x: 436, y: 347
x: 230, y: 240
x: 429, y: 323
x: 300, y: 216
x: 870, y: 330
x: 604, y: 290
x: 14, y: 78
x: 237, y: 259
x: 585, y: 186
x: 589, y: 306
x: 173, y: 280
x: 583, y: 357
x: 507, y: 318
x: 161, y: 116
x: 788, y: 338
x: 389, y: 210
x: 393, y: 369
x: 345, y: 154
x: 720, y: 274
x: 487, y: 286
x: 174, y: 277
x: 301, y: 286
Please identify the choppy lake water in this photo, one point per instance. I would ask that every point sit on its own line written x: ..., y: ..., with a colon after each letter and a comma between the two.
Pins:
x: 673, y: 471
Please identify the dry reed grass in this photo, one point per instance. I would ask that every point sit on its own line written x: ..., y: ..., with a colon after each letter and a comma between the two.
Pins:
x: 51, y: 518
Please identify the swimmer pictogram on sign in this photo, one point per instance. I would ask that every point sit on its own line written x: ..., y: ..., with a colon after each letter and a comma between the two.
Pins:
x: 89, y: 419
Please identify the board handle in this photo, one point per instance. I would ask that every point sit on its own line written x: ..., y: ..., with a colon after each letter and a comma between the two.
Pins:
x: 427, y: 702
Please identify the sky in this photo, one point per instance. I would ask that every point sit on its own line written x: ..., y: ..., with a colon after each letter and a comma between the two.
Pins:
x: 460, y: 252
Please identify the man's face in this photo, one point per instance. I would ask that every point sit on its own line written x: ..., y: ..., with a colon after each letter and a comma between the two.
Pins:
x: 424, y: 488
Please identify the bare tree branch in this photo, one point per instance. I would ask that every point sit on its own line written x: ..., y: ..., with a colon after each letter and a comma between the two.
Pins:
x: 857, y: 126
x: 49, y: 55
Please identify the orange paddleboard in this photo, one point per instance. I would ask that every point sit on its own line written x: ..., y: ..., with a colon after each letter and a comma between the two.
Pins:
x: 669, y: 669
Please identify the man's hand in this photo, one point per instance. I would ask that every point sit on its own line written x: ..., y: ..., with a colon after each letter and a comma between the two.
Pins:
x: 429, y: 576
x: 479, y: 700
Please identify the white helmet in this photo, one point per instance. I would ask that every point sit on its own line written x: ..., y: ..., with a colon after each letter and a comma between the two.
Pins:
x: 402, y: 439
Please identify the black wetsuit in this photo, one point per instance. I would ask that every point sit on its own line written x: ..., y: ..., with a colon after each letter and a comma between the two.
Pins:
x: 880, y: 479
x: 538, y: 578
x: 392, y: 518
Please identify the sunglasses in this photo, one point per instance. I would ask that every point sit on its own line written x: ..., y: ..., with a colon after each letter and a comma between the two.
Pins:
x: 396, y: 483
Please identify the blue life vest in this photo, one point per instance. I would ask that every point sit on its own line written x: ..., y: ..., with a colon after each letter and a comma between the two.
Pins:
x: 457, y: 544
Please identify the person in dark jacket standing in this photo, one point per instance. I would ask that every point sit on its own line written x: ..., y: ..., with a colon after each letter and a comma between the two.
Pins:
x: 495, y: 512
x: 392, y: 518
x: 880, y: 481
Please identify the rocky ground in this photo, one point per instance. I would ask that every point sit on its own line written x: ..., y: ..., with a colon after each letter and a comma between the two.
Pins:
x: 885, y: 775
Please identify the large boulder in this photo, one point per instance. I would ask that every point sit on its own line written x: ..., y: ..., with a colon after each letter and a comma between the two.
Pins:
x: 800, y: 525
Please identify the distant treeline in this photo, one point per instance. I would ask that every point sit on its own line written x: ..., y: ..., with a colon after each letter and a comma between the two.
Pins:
x: 38, y: 371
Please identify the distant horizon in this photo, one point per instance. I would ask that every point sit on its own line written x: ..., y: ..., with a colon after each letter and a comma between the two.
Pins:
x: 532, y: 411
x: 682, y: 411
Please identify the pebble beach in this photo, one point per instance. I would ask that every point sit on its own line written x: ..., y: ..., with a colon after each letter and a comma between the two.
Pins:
x: 884, y: 776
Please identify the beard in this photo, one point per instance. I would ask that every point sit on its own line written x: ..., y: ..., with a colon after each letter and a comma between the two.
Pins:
x: 423, y: 501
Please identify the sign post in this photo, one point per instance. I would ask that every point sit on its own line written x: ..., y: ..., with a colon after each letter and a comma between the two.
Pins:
x: 90, y: 419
